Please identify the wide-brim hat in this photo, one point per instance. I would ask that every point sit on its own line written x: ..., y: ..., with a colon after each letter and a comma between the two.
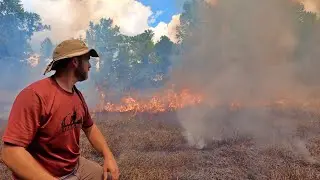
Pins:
x: 68, y: 49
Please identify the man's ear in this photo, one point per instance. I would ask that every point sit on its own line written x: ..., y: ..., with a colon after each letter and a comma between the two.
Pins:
x: 74, y: 62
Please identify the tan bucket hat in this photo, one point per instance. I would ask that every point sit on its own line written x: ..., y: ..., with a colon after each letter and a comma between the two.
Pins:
x: 67, y: 49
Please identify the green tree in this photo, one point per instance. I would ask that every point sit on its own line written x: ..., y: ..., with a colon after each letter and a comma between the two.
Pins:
x: 46, y: 48
x: 128, y: 62
x: 189, y: 19
x: 307, y: 54
x: 16, y: 28
x: 106, y: 40
x: 142, y: 59
x: 164, y: 50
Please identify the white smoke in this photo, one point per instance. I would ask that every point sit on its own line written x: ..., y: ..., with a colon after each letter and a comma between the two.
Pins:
x: 70, y: 18
x: 311, y: 5
x: 169, y: 30
x: 241, y: 52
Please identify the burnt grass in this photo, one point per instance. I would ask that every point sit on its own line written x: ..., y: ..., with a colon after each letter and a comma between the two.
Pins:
x: 148, y: 147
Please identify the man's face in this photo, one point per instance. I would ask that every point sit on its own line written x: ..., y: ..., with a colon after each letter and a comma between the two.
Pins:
x: 81, y: 72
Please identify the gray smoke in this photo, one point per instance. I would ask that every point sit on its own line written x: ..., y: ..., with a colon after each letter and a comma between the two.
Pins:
x: 245, y: 52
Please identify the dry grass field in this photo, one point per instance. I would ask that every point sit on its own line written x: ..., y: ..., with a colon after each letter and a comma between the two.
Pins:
x: 149, y: 148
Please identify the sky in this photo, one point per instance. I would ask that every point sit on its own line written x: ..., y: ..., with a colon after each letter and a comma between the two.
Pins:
x: 70, y: 18
x: 168, y: 8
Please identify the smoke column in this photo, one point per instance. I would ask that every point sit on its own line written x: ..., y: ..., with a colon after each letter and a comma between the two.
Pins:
x: 243, y: 51
x: 311, y: 5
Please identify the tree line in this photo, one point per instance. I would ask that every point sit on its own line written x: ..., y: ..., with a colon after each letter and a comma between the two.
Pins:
x: 127, y: 62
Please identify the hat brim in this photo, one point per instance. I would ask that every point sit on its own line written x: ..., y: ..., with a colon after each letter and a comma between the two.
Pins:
x: 92, y: 52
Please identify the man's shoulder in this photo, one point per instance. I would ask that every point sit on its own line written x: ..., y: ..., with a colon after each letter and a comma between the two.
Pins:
x: 42, y: 87
x: 78, y: 91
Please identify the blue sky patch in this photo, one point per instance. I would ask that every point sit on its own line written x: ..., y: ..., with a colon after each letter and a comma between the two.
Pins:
x: 163, y: 10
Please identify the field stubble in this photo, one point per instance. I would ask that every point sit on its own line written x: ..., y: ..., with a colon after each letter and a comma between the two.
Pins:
x: 152, y: 147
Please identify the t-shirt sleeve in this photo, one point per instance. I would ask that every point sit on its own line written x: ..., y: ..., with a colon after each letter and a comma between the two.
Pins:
x: 88, y: 122
x: 24, y: 119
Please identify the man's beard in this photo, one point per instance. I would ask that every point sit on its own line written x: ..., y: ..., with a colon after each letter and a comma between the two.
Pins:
x: 81, y: 74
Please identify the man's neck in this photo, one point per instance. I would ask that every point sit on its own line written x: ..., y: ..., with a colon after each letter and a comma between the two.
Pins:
x: 65, y: 81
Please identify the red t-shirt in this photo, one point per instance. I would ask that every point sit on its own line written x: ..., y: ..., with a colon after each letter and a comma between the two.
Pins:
x: 46, y: 120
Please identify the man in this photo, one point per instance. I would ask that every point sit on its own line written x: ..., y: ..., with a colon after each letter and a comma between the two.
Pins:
x: 41, y: 140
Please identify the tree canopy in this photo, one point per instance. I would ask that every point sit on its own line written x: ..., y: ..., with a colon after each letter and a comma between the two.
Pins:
x: 128, y: 62
x: 16, y: 28
x: 132, y: 62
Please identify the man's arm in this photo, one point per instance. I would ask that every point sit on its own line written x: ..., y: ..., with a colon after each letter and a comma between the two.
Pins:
x: 23, y: 164
x: 23, y: 124
x: 98, y: 142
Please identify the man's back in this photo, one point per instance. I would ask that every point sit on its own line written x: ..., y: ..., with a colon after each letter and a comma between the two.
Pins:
x: 46, y: 120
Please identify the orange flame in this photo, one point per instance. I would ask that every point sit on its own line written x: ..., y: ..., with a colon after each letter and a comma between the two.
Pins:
x: 160, y: 102
x: 170, y: 100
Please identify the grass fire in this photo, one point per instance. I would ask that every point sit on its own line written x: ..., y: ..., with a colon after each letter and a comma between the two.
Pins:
x: 159, y: 102
x: 226, y: 89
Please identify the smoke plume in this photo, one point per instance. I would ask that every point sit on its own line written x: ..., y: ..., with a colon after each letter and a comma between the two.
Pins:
x: 242, y: 54
x: 169, y: 30
x: 70, y: 18
x: 311, y: 5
